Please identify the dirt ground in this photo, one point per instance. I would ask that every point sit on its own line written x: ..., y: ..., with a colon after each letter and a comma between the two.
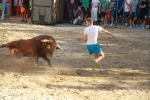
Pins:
x: 73, y: 75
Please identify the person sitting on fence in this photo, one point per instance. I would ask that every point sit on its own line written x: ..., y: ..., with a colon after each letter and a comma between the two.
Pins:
x: 133, y: 12
x: 94, y: 10
x: 143, y: 13
x: 78, y: 16
x: 113, y: 11
x: 72, y: 6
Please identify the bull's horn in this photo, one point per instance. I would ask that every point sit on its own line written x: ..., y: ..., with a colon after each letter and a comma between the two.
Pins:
x: 45, y: 40
x: 59, y: 47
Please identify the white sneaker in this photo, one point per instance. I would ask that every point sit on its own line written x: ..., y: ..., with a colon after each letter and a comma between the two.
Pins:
x: 111, y: 24
x: 130, y: 26
x: 133, y: 24
x: 147, y: 26
x: 126, y: 24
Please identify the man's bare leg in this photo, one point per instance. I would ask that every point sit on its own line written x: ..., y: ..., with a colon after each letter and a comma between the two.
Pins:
x: 98, y: 58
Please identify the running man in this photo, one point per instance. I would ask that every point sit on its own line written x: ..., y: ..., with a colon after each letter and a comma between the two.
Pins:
x: 90, y: 37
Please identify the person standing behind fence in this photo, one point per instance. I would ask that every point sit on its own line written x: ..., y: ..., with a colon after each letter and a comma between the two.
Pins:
x: 127, y: 11
x: 25, y: 4
x: 112, y: 11
x: 17, y: 3
x: 85, y: 9
x: 71, y: 6
x: 105, y: 7
x: 143, y: 13
x: 79, y: 3
x: 133, y: 12
x: 6, y: 9
x: 94, y: 10
x: 148, y: 15
x: 0, y: 7
x: 120, y: 10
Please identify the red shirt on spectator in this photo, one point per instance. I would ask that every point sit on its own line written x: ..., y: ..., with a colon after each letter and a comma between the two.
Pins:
x: 72, y: 4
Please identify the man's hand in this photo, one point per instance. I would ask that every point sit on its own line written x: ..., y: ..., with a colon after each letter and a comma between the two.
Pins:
x: 99, y: 11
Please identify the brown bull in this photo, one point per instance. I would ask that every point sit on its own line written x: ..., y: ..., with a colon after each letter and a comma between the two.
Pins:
x: 39, y: 46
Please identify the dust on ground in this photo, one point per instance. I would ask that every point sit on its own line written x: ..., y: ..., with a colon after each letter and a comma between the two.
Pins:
x: 73, y: 75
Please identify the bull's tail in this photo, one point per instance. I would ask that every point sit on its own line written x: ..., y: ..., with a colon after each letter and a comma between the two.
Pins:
x: 3, y: 45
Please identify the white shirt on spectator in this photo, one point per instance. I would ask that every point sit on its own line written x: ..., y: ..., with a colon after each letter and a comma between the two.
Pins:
x: 127, y: 8
x: 94, y: 4
x: 92, y: 33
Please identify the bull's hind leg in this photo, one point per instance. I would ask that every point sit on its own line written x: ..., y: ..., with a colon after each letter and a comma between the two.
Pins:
x: 47, y: 60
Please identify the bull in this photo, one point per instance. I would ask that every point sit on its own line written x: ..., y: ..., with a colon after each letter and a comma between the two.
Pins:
x: 39, y: 46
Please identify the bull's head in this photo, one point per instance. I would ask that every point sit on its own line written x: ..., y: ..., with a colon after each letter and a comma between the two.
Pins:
x: 51, y: 46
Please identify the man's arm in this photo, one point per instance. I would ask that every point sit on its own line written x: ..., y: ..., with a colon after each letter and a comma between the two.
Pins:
x: 85, y: 38
x: 106, y: 32
x: 75, y: 13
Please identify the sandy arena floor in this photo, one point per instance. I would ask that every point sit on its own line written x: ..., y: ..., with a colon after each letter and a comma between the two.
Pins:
x: 73, y: 75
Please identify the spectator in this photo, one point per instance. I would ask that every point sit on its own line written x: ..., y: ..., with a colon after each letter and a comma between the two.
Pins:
x: 120, y: 10
x: 113, y: 11
x: 105, y: 7
x: 85, y: 9
x: 143, y: 13
x: 6, y: 9
x: 79, y: 3
x: 127, y: 11
x: 19, y: 6
x: 30, y: 8
x: 133, y: 12
x: 66, y: 16
x: 0, y: 7
x: 94, y: 10
x: 25, y: 4
x: 148, y: 14
x: 78, y: 16
x: 72, y: 6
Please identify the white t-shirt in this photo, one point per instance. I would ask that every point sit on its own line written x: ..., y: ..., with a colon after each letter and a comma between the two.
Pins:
x: 127, y: 8
x: 94, y: 4
x: 92, y: 34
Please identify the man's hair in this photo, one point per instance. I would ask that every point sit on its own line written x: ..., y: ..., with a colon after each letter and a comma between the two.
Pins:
x: 89, y: 20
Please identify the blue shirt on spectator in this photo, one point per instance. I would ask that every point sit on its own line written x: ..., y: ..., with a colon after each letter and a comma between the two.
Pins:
x: 0, y: 1
x: 66, y: 1
x: 120, y: 2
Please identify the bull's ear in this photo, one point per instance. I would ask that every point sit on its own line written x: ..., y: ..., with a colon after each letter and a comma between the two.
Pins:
x: 58, y: 47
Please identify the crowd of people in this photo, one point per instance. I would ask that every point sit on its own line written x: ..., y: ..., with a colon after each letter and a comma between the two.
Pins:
x: 22, y: 7
x: 79, y: 10
x: 133, y: 11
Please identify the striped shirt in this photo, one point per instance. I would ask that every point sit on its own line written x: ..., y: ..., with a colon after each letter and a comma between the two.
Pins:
x: 114, y: 4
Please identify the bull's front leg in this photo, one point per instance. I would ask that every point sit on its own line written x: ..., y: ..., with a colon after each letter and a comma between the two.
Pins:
x: 47, y: 60
x: 36, y: 60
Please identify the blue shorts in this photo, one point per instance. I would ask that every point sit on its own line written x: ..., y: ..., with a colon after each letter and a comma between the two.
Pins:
x: 133, y: 15
x: 112, y: 13
x: 94, y: 49
x: 71, y: 12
